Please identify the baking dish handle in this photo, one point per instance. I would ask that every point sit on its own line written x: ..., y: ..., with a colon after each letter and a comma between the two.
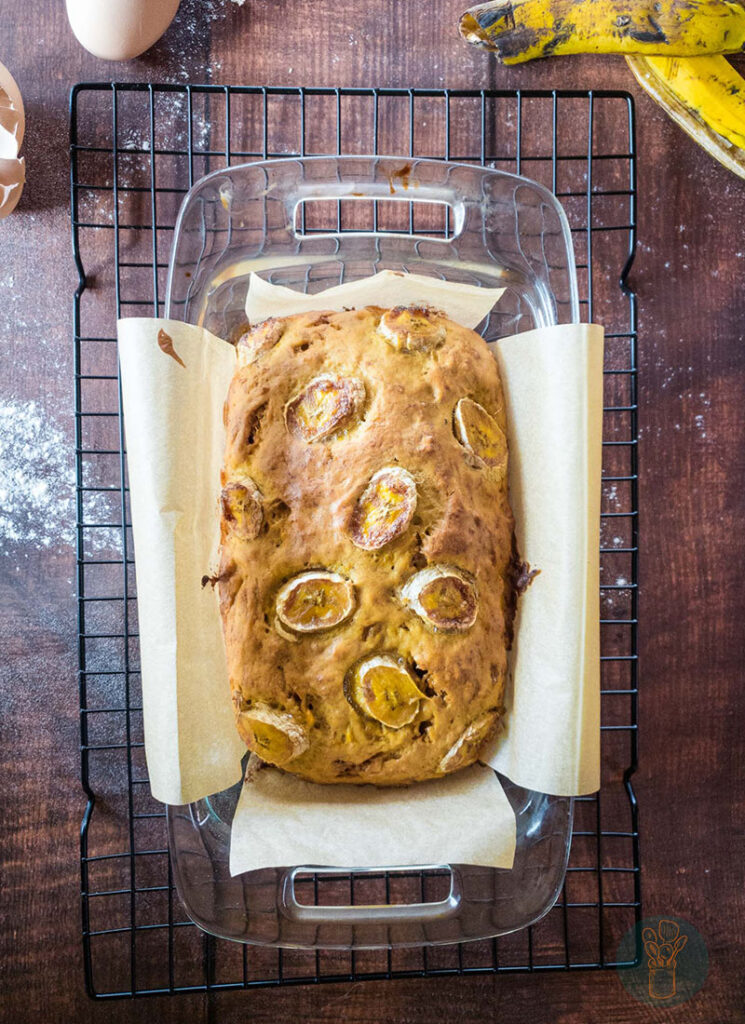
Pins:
x: 379, y: 179
x: 457, y: 208
x: 402, y: 913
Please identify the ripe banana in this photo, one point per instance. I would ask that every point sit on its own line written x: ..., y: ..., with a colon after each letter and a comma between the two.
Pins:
x: 520, y: 30
x: 705, y: 96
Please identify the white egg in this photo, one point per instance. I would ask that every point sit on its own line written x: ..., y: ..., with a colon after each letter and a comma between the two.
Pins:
x: 120, y: 29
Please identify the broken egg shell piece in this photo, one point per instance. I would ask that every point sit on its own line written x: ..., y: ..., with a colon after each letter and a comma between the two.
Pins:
x: 465, y: 749
x: 412, y: 329
x: 12, y: 178
x: 444, y: 597
x: 480, y: 434
x: 260, y: 339
x: 275, y: 736
x: 315, y: 601
x: 242, y: 508
x: 12, y: 127
x: 384, y: 509
x: 381, y: 687
x: 12, y: 115
x: 326, y: 405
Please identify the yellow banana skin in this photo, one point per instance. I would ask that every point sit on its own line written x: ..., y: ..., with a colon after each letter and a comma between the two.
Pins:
x: 521, y: 30
x: 705, y: 96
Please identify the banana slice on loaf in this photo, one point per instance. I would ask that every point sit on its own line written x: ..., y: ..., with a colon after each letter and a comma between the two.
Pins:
x: 382, y: 688
x: 315, y: 601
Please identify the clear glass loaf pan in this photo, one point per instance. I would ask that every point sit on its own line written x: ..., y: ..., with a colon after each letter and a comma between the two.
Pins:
x: 451, y: 221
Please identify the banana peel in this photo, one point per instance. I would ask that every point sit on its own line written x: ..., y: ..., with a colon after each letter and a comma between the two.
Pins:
x: 705, y: 96
x: 675, y: 49
x: 522, y: 30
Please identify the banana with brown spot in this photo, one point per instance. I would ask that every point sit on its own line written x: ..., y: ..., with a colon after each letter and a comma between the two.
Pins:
x: 705, y: 96
x: 521, y: 30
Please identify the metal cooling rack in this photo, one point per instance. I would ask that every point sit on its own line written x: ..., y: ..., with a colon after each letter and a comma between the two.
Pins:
x: 135, y: 150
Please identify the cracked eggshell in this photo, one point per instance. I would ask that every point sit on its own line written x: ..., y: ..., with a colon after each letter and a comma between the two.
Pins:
x: 12, y: 127
x: 12, y: 115
x: 120, y: 29
x: 12, y: 179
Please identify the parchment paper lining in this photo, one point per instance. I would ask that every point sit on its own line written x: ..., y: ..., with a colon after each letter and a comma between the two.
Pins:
x: 173, y: 417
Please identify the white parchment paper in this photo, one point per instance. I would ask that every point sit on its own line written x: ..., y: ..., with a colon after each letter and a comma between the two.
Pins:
x: 464, y: 818
x: 553, y: 384
x: 467, y: 304
x: 173, y: 419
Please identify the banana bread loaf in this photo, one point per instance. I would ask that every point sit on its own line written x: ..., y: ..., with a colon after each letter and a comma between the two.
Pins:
x: 365, y: 579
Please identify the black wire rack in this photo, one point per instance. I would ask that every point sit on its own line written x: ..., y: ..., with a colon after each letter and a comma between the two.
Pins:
x: 135, y: 151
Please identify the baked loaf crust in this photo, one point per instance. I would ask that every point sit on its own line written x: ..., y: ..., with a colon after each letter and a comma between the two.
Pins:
x: 365, y: 582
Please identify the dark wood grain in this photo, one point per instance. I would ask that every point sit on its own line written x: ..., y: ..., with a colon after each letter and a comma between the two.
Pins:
x: 689, y: 273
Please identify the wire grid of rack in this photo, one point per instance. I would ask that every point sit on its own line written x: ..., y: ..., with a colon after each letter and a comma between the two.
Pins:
x: 135, y: 151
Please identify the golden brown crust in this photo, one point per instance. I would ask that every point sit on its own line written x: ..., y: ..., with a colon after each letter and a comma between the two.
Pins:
x: 310, y: 490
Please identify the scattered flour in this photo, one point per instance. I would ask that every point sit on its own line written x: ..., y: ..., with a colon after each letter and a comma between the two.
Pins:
x: 171, y: 128
x: 37, y: 485
x: 188, y: 32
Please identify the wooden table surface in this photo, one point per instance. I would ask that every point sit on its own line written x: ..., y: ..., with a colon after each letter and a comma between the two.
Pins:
x: 688, y: 276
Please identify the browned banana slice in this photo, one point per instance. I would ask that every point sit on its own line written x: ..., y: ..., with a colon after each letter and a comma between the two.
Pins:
x: 412, y: 329
x: 480, y: 434
x: 274, y: 735
x: 444, y: 597
x: 324, y: 406
x: 384, y: 509
x: 259, y: 339
x: 242, y: 508
x: 465, y: 750
x: 314, y: 601
x: 381, y: 687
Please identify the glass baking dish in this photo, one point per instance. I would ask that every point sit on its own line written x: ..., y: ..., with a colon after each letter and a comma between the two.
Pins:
x: 310, y: 223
